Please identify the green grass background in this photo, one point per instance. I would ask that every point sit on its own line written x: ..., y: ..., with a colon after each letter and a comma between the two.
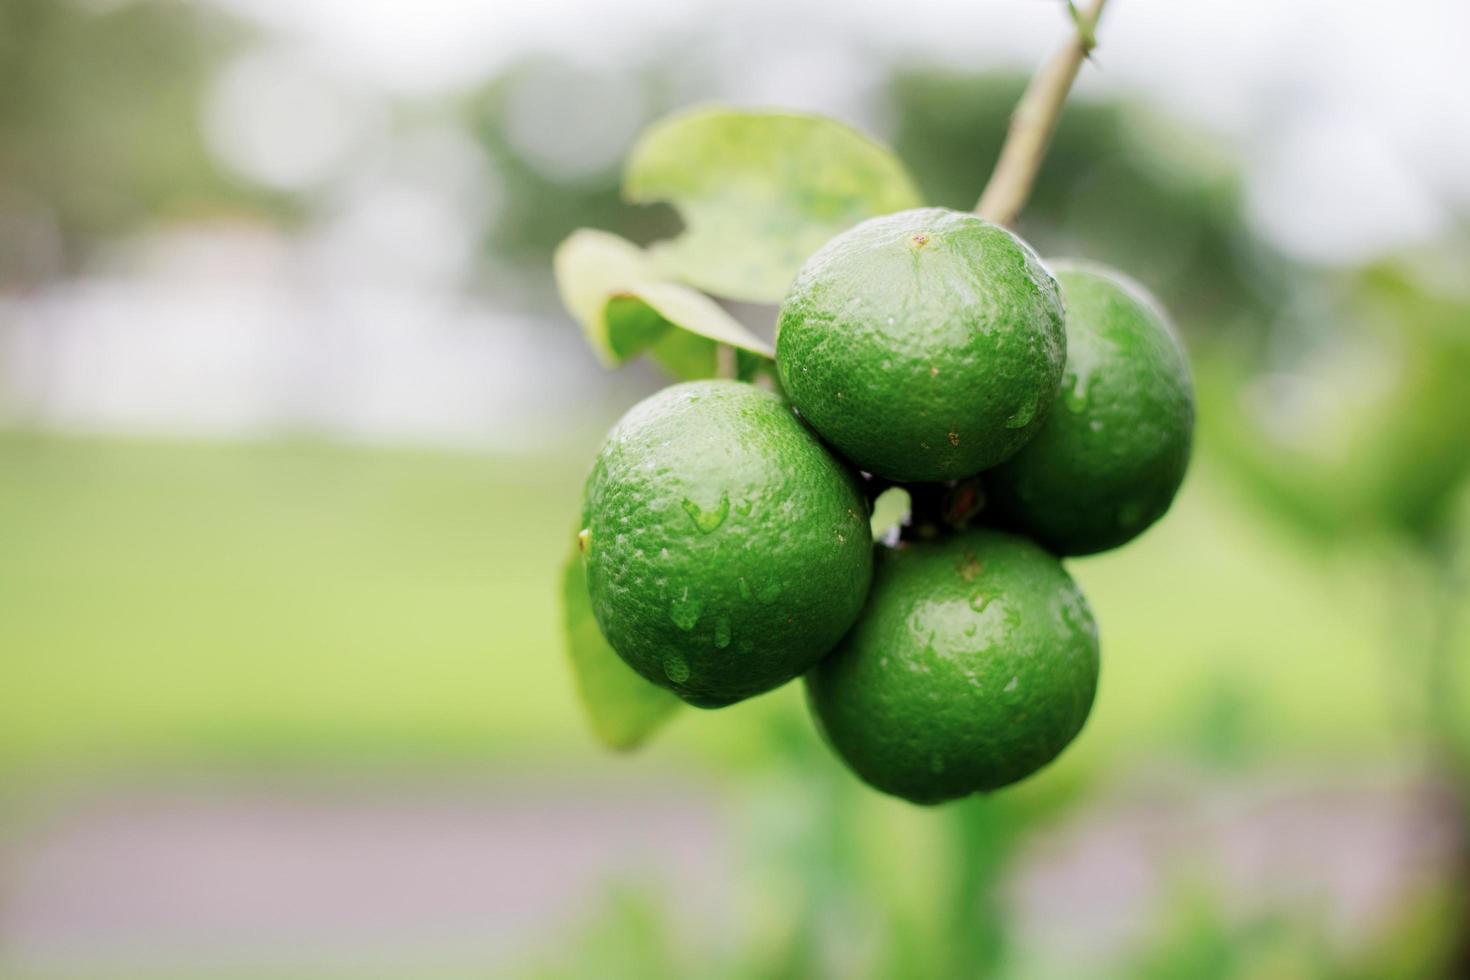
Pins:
x: 292, y: 603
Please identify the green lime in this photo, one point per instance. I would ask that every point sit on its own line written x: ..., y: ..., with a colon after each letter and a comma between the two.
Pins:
x: 1113, y: 451
x: 925, y: 345
x: 726, y: 550
x: 973, y: 665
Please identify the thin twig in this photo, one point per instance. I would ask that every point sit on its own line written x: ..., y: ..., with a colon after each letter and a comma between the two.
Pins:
x: 725, y: 361
x: 1034, y: 121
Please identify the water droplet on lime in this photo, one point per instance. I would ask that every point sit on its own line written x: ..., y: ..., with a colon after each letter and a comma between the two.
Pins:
x: 722, y: 632
x: 708, y: 520
x: 685, y: 611
x: 676, y: 668
x: 1022, y: 416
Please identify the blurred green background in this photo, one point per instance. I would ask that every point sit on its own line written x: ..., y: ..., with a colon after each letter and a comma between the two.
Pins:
x: 292, y: 431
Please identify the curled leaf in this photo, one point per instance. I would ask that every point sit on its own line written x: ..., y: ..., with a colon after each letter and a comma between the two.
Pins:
x: 611, y: 288
x: 759, y: 191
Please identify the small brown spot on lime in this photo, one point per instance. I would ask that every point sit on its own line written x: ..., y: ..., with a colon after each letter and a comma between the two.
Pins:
x: 954, y: 438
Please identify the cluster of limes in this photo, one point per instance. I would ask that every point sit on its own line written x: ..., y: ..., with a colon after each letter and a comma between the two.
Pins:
x: 1031, y: 411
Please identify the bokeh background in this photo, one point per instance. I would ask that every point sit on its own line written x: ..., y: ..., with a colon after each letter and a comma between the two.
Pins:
x: 292, y: 432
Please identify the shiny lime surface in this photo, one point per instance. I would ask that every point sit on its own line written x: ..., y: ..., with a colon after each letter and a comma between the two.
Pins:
x: 1113, y: 451
x: 973, y: 665
x: 924, y: 345
x: 726, y: 549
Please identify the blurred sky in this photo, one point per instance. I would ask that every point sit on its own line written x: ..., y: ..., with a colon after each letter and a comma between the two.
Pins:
x: 1349, y: 118
x: 1351, y: 113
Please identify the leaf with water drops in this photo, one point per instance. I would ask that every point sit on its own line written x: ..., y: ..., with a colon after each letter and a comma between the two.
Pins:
x: 624, y: 709
x: 759, y: 192
x: 626, y: 308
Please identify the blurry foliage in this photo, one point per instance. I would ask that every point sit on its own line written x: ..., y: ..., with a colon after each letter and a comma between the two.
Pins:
x: 1421, y: 940
x: 100, y: 116
x: 835, y: 881
x: 1454, y: 695
x: 873, y: 887
x: 538, y: 209
x: 1200, y: 939
x: 629, y: 937
x: 1370, y: 431
x: 1119, y: 185
x: 1227, y: 731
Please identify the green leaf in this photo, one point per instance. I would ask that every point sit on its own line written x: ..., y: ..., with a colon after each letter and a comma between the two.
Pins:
x: 750, y: 367
x: 686, y: 356
x: 623, y: 707
x: 626, y: 308
x: 892, y: 507
x: 759, y: 192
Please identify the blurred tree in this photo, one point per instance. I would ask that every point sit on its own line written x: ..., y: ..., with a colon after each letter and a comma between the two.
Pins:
x: 99, y: 125
x: 1119, y: 184
x: 543, y: 205
x: 1364, y: 429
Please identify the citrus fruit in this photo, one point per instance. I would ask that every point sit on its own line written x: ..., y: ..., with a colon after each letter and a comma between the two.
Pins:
x: 726, y: 550
x: 924, y: 345
x: 973, y: 665
x: 1113, y: 450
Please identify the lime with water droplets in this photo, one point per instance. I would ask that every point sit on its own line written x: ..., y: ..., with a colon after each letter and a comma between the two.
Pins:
x: 973, y: 665
x: 925, y: 345
x: 1111, y: 455
x: 726, y: 550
